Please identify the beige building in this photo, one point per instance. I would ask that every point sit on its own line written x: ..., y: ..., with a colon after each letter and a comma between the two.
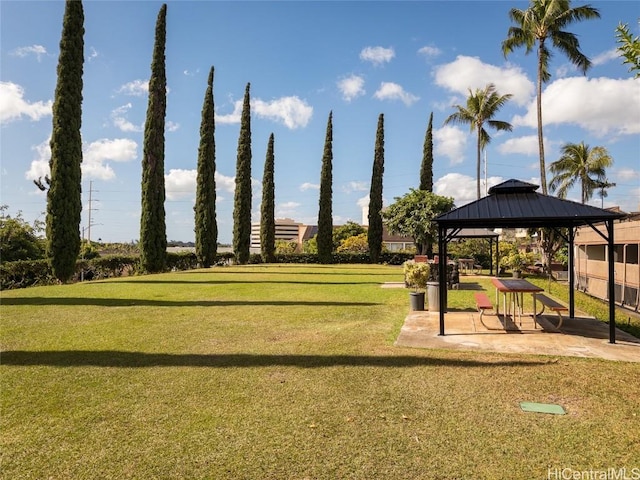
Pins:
x: 591, y: 267
x: 292, y: 231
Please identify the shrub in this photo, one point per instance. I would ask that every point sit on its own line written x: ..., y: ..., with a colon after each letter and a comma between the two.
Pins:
x: 416, y: 275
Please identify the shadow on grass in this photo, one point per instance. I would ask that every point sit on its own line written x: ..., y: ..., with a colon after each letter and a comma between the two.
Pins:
x: 143, y: 302
x: 238, y: 282
x: 286, y: 272
x: 115, y: 358
x: 470, y: 286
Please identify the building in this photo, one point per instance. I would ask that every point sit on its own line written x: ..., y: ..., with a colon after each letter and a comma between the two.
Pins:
x: 291, y: 231
x: 286, y: 230
x: 591, y: 257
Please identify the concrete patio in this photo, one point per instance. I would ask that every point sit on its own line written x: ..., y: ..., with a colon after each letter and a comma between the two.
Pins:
x: 578, y: 337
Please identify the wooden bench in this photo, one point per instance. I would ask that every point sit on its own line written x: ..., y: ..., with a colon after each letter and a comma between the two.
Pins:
x: 551, y: 304
x: 483, y: 303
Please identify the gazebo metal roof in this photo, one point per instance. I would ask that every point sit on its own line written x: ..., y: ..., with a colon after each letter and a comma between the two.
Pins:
x: 516, y: 204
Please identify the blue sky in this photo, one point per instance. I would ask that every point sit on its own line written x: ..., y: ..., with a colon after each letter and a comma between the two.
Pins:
x: 303, y: 60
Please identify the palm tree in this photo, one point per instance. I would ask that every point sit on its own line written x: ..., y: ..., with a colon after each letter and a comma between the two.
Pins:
x: 580, y: 163
x: 481, y: 107
x: 545, y: 20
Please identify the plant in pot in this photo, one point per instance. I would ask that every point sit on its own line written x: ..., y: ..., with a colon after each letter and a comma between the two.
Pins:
x: 516, y: 261
x: 416, y: 276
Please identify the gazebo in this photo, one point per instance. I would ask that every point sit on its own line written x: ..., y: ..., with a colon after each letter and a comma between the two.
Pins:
x: 481, y: 233
x: 516, y: 204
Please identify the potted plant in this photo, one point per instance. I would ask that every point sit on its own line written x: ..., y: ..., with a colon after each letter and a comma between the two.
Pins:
x: 516, y: 261
x: 416, y: 276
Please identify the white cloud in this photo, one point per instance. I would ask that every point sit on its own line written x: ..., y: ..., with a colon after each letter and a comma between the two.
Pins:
x: 462, y: 188
x: 37, y: 50
x: 605, y: 57
x: 377, y: 55
x: 286, y: 209
x: 351, y: 87
x: 179, y: 183
x: 626, y: 174
x: 450, y: 141
x: 527, y: 145
x: 309, y: 186
x: 97, y: 153
x: 136, y: 88
x: 393, y: 91
x: 225, y: 183
x: 606, y: 112
x: 429, y: 51
x: 291, y: 111
x: 118, y: 117
x: 233, y: 117
x: 356, y: 186
x: 39, y: 167
x: 172, y: 126
x: 13, y: 105
x: 363, y: 202
x: 93, y: 53
x: 94, y: 157
x: 466, y: 73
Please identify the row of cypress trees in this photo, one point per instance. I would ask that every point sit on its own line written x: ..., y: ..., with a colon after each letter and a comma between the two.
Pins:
x: 64, y: 203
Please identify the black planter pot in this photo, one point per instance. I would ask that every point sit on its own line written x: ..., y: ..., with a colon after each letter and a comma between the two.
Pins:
x: 417, y: 301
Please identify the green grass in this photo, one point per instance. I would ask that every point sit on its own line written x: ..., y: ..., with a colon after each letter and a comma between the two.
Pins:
x: 284, y: 372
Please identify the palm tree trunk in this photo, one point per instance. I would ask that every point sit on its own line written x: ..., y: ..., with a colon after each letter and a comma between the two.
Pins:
x: 543, y: 174
x: 479, y: 150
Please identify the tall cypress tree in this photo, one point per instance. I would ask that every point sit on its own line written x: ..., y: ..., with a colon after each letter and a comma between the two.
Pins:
x: 374, y: 233
x: 325, y: 218
x: 64, y: 198
x: 267, y: 208
x: 426, y: 169
x: 153, y: 231
x: 205, y: 209
x: 242, y: 196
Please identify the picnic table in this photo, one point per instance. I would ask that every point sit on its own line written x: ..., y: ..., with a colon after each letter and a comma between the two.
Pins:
x: 515, y: 288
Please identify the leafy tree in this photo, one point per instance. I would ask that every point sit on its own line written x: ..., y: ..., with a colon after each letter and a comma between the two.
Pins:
x: 374, y: 234
x: 18, y: 239
x: 629, y: 48
x: 284, y: 247
x: 482, y: 106
x: 355, y: 244
x: 242, y: 200
x: 325, y: 218
x: 348, y: 230
x: 426, y: 168
x: 153, y: 230
x: 411, y: 216
x: 310, y: 246
x: 64, y: 198
x: 206, y: 227
x: 583, y: 164
x: 267, y: 208
x: 543, y: 22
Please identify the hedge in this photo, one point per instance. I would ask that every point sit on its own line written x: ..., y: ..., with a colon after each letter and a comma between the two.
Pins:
x: 29, y: 273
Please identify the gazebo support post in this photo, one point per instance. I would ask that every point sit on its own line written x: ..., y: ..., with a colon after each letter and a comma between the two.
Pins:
x: 572, y: 281
x: 442, y: 275
x: 611, y: 284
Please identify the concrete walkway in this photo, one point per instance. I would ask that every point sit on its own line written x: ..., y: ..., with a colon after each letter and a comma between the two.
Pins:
x: 579, y: 337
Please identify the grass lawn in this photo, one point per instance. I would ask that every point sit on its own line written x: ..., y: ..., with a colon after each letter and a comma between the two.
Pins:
x: 285, y: 372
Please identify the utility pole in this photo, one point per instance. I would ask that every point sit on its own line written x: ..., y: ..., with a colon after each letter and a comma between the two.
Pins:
x: 89, y: 212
